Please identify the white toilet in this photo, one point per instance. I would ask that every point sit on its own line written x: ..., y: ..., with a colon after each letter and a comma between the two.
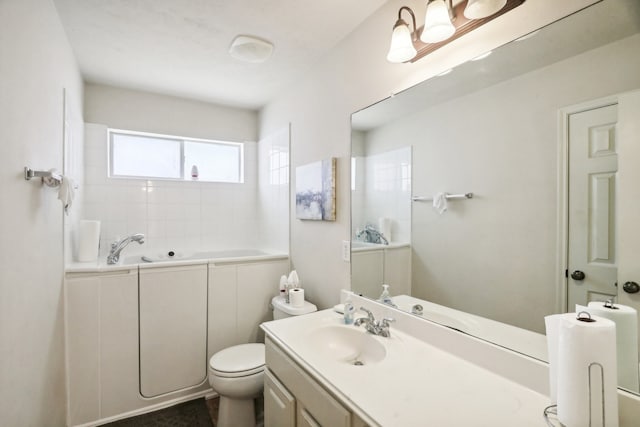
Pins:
x: 237, y: 373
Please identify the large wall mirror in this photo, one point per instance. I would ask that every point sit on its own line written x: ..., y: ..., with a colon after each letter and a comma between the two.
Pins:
x: 505, y: 128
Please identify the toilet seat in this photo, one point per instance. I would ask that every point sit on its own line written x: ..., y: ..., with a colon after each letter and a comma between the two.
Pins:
x: 238, y: 361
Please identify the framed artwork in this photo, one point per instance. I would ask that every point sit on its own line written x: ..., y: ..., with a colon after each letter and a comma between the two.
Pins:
x: 316, y: 190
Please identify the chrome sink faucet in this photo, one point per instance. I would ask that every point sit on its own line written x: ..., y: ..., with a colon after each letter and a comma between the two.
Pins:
x: 373, y: 326
x: 118, y: 246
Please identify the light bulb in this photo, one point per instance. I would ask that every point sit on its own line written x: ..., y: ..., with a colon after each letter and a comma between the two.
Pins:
x: 478, y: 9
x: 401, y: 49
x: 437, y: 23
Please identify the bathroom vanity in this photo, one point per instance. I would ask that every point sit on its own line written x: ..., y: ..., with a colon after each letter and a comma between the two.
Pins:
x: 139, y: 336
x: 292, y: 397
x: 423, y: 374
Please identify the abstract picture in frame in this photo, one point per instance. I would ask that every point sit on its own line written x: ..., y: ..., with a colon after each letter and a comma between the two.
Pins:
x: 316, y: 190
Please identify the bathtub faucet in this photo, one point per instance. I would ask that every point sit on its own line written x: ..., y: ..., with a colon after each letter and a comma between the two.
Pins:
x: 118, y: 246
x: 371, y: 235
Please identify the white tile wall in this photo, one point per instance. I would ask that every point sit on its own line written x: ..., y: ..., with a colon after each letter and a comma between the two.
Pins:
x: 383, y: 190
x: 185, y: 215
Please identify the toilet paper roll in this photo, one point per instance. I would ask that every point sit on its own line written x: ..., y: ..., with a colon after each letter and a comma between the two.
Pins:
x: 626, y: 320
x: 583, y: 372
x: 296, y: 297
x: 88, y: 240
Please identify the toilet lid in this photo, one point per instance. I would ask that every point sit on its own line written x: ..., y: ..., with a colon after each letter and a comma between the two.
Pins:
x: 238, y: 361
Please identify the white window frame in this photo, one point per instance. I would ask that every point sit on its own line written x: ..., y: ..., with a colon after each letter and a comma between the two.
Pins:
x: 181, y: 140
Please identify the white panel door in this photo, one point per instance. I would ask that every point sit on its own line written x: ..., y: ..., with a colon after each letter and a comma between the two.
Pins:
x: 173, y: 328
x: 593, y: 165
x: 628, y: 219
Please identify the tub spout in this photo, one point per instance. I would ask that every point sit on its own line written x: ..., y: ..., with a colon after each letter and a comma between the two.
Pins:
x: 118, y: 246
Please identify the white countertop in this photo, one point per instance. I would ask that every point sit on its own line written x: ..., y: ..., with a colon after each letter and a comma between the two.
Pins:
x: 417, y: 384
x: 358, y: 246
x: 517, y: 339
x: 134, y: 261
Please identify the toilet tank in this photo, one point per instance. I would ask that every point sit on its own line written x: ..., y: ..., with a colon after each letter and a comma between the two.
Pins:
x: 281, y: 309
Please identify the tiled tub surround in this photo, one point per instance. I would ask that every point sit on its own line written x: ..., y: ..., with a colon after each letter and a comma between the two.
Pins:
x: 178, y: 214
x: 381, y: 188
x: 431, y: 375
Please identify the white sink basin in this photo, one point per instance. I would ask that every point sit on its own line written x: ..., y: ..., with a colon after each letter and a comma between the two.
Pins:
x: 345, y: 344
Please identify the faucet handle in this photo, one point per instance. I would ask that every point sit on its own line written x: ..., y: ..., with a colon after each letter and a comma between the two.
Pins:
x: 386, y: 321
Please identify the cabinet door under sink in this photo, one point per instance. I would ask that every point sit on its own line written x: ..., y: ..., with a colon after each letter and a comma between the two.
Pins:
x: 173, y: 328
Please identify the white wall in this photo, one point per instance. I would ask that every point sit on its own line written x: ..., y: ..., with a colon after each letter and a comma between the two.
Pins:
x: 501, y: 245
x: 354, y: 75
x: 148, y: 112
x: 36, y: 63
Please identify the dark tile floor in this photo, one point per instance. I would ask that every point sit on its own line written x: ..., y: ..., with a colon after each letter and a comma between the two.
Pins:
x: 195, y: 413
x: 212, y: 406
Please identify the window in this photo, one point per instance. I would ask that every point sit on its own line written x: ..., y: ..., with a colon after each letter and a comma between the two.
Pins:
x: 149, y: 156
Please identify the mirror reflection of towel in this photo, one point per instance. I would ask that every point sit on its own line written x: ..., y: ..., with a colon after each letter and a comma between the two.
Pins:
x: 440, y: 202
x: 66, y: 193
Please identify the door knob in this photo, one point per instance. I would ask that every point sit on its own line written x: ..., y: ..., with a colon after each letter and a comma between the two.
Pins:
x: 578, y: 275
x: 631, y: 287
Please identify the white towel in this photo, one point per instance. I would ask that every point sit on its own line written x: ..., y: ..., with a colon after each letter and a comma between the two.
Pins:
x: 66, y: 193
x: 440, y: 202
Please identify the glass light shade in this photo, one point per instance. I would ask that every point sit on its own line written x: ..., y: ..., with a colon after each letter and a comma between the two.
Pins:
x: 478, y: 9
x: 437, y: 23
x: 402, y: 48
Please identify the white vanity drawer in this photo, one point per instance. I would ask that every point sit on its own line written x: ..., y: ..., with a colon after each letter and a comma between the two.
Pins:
x: 279, y: 404
x: 314, y: 403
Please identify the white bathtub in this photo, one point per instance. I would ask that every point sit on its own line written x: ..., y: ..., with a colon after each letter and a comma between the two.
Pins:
x: 163, y: 258
x: 169, y: 256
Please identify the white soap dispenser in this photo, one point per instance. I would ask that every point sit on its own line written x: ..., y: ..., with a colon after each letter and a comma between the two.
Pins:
x: 348, y: 311
x: 385, y: 298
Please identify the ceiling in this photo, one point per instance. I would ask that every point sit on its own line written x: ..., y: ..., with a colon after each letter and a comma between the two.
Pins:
x: 180, y: 47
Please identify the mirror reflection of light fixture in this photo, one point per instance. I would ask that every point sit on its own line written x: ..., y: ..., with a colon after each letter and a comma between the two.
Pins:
x: 443, y: 24
x: 482, y: 56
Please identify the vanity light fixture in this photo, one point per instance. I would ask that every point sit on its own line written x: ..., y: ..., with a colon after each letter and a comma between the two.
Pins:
x: 478, y: 9
x: 437, y: 21
x: 402, y: 39
x: 444, y: 22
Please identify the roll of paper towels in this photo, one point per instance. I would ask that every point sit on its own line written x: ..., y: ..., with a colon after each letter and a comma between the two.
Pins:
x: 88, y: 240
x: 626, y: 320
x: 296, y: 297
x: 582, y: 369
